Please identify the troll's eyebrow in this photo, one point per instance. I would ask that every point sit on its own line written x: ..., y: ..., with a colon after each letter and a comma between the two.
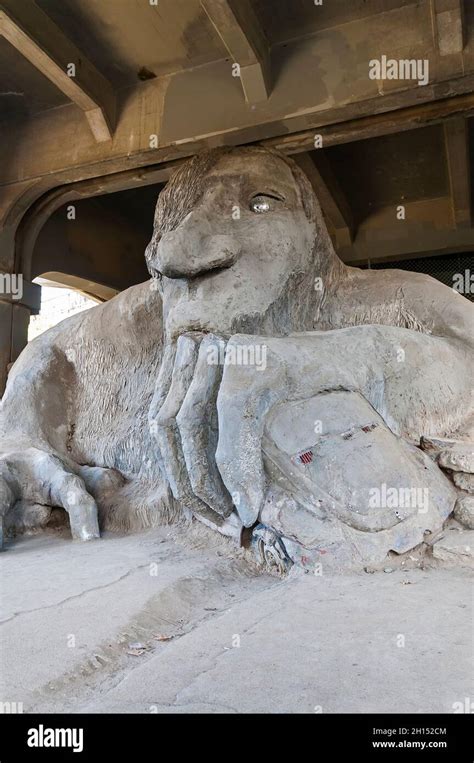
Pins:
x: 271, y: 194
x: 251, y: 183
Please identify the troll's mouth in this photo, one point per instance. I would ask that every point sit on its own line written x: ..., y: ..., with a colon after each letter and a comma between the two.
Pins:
x: 201, y: 275
x: 206, y: 275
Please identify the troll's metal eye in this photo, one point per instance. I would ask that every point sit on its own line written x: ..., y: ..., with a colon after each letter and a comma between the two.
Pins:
x: 261, y: 204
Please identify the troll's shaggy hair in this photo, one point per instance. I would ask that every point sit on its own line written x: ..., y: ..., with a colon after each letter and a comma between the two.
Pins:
x: 187, y: 184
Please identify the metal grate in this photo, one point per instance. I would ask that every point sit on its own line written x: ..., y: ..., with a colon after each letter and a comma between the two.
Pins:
x: 450, y: 269
x: 305, y: 458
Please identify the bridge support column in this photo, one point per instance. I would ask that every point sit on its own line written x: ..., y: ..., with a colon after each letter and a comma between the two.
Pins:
x: 18, y: 300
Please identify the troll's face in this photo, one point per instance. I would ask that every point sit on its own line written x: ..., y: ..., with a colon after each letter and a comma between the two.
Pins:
x: 234, y: 231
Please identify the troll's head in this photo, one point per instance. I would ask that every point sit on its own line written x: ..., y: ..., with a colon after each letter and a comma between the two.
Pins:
x: 238, y: 241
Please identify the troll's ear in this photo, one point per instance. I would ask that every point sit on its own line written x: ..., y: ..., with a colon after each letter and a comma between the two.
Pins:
x: 310, y: 202
x: 311, y: 206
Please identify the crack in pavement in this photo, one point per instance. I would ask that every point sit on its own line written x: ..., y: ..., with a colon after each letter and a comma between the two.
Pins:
x: 74, y: 596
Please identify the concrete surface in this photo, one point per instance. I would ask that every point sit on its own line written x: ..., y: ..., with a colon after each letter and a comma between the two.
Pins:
x: 242, y: 641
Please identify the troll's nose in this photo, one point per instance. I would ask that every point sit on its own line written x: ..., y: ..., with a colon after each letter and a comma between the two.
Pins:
x: 192, y: 249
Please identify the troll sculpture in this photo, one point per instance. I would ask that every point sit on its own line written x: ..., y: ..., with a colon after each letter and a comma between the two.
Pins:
x: 254, y: 382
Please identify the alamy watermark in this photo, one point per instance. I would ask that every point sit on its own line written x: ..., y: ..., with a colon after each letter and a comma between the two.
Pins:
x: 12, y: 284
x: 464, y: 282
x: 385, y: 497
x: 466, y: 706
x: 238, y: 355
x: 11, y: 707
x: 42, y: 736
x: 417, y: 69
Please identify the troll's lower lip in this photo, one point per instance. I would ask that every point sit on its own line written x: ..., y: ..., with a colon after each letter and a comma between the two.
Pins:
x: 211, y: 273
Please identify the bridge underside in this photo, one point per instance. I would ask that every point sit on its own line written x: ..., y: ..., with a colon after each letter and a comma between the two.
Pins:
x: 97, y: 105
